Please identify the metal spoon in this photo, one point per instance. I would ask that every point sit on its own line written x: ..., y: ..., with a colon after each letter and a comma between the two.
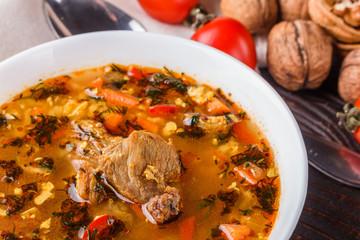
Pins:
x: 70, y: 17
x: 334, y: 160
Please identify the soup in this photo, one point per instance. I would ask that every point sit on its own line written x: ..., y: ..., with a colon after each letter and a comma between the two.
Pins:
x: 129, y: 152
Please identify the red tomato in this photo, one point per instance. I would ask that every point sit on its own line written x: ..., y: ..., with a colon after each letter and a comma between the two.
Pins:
x: 165, y: 110
x: 103, y: 227
x: 169, y: 11
x: 229, y: 36
x: 357, y: 103
x: 134, y: 73
x: 357, y: 131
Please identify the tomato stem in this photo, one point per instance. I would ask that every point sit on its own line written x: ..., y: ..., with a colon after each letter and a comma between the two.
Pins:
x: 198, y: 17
x: 350, y: 118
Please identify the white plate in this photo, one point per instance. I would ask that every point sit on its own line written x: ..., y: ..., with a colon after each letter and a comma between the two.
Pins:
x: 205, y: 64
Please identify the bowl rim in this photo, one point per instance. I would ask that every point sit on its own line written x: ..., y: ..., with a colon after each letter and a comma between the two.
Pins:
x: 302, y: 182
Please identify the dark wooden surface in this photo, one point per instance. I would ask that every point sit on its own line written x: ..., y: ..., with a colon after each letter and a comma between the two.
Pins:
x: 332, y: 209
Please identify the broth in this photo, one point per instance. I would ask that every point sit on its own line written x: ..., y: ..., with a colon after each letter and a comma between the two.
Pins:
x: 228, y: 186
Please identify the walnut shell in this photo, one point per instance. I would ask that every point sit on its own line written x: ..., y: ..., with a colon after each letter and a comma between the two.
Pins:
x: 321, y: 12
x: 343, y: 49
x: 349, y: 78
x: 299, y: 54
x: 294, y: 9
x: 257, y: 16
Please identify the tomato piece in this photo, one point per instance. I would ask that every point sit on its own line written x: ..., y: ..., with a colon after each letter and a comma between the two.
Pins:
x: 164, y: 110
x: 242, y: 132
x: 169, y: 11
x: 229, y: 36
x: 104, y: 227
x: 235, y: 232
x: 134, y: 73
x: 187, y: 228
x: 216, y: 106
x: 250, y: 173
x: 97, y: 83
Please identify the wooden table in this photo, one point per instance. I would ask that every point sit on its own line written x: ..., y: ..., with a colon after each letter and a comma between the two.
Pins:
x: 332, y: 209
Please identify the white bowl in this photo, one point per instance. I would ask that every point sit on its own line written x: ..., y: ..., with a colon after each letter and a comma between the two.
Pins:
x: 203, y: 63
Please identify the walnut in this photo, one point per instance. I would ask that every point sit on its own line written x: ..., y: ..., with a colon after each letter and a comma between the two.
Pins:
x: 299, y: 54
x: 340, y: 18
x: 342, y: 49
x: 257, y: 16
x: 349, y: 10
x: 349, y: 84
x: 294, y: 9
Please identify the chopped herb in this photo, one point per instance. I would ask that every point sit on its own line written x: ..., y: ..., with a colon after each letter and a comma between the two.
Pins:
x: 116, y: 84
x: 224, y: 138
x: 45, y: 127
x: 30, y: 151
x: 242, y: 115
x: 86, y: 151
x: 252, y: 154
x: 15, y: 204
x: 16, y: 142
x: 115, y: 68
x: 266, y: 230
x: 225, y: 171
x: 9, y: 236
x: 194, y: 120
x: 196, y: 132
x: 246, y: 211
x: 101, y: 187
x: 92, y: 233
x: 3, y: 121
x: 120, y: 110
x: 45, y: 162
x: 208, y: 202
x: 168, y: 82
x: 84, y: 132
x: 266, y: 192
x: 229, y: 197
x: 12, y: 170
x: 181, y: 132
x: 169, y: 72
x: 132, y: 125
x: 155, y: 94
x: 81, y: 169
x: 222, y: 96
x: 43, y: 91
x: 228, y: 119
x: 73, y: 216
x: 243, y: 180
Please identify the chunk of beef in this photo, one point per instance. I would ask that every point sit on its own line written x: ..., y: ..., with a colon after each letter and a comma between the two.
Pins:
x: 164, y: 207
x: 210, y: 124
x: 87, y: 185
x: 138, y: 167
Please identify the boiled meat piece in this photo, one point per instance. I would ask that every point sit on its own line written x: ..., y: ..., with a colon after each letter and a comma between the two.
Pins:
x: 139, y: 168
